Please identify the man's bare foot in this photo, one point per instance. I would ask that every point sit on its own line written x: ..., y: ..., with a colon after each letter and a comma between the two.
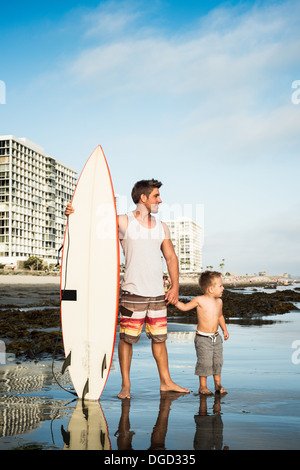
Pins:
x: 221, y: 390
x: 124, y: 393
x: 172, y: 387
x: 205, y: 391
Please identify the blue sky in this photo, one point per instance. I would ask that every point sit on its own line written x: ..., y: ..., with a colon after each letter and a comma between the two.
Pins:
x: 196, y: 94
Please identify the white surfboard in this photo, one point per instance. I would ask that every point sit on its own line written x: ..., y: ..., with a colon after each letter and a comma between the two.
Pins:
x: 90, y: 280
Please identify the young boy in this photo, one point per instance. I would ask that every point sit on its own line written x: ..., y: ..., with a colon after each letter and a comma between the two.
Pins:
x: 208, y: 343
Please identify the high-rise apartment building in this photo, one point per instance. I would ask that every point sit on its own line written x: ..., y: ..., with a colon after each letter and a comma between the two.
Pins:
x: 186, y: 236
x: 34, y: 191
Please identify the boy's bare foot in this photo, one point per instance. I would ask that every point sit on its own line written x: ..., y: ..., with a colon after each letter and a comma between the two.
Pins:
x: 172, y: 387
x: 205, y: 391
x: 221, y: 390
x: 124, y: 393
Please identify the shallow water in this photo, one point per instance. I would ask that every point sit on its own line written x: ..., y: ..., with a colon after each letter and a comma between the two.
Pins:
x: 261, y: 410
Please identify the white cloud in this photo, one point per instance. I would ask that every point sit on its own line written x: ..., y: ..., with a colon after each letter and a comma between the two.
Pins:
x: 226, y: 54
x: 229, y: 77
x: 110, y: 19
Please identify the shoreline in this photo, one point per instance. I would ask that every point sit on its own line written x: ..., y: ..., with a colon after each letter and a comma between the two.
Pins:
x: 237, y: 281
x: 249, y: 281
x: 16, y: 278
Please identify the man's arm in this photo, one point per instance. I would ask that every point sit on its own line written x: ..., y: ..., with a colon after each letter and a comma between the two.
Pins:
x: 168, y: 251
x: 123, y: 223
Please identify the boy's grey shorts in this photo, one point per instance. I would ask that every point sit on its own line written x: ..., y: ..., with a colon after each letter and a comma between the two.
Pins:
x: 209, y: 356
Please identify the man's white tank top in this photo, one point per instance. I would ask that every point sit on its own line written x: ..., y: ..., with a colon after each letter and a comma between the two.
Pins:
x: 143, y: 259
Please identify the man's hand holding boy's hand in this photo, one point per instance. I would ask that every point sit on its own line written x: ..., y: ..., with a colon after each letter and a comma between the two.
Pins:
x: 172, y: 296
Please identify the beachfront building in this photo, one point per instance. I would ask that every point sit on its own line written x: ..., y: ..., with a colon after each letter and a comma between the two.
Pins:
x: 186, y: 236
x: 34, y: 191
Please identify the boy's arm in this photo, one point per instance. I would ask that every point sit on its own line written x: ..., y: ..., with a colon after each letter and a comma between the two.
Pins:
x: 188, y: 306
x: 222, y: 323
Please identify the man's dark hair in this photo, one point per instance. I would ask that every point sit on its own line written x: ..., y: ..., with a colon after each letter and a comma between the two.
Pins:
x: 144, y: 187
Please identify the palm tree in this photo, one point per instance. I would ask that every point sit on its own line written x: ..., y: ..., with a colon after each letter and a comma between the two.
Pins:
x: 222, y: 264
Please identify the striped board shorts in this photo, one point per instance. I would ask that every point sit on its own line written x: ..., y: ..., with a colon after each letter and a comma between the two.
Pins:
x: 136, y: 310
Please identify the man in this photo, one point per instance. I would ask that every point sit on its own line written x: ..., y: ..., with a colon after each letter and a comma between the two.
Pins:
x: 143, y: 300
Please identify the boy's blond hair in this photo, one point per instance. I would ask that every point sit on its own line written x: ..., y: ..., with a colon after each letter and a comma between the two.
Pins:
x: 207, y: 278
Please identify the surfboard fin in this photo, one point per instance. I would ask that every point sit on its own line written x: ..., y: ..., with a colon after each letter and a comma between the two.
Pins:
x: 66, y: 436
x: 104, y: 366
x: 85, y: 411
x: 102, y: 438
x: 85, y: 389
x: 67, y: 362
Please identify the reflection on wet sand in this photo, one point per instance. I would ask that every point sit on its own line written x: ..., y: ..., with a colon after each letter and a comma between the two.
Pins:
x: 87, y: 429
x: 16, y: 379
x: 20, y: 413
x: 209, y: 426
x: 157, y: 442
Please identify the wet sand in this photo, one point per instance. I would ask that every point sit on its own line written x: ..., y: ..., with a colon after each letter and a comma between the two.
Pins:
x: 28, y: 290
x: 261, y: 410
x: 30, y: 311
